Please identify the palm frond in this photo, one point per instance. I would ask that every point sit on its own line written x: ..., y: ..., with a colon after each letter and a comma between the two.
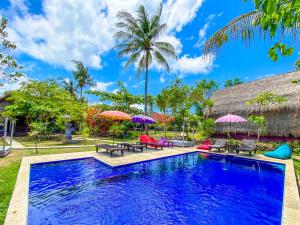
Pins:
x: 166, y: 48
x: 133, y: 59
x: 243, y: 26
x: 161, y: 60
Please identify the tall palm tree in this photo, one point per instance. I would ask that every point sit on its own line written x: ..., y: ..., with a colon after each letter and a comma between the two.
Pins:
x: 82, y: 76
x: 138, y: 39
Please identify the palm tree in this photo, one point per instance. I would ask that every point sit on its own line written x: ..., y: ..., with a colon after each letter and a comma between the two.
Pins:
x: 138, y: 39
x: 70, y: 87
x: 269, y: 18
x: 82, y: 76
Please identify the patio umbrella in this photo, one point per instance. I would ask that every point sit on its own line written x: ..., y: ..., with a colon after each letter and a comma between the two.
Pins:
x: 229, y: 118
x: 116, y: 116
x: 143, y: 120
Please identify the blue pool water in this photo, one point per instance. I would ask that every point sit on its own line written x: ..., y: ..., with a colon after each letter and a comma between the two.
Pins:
x: 193, y: 188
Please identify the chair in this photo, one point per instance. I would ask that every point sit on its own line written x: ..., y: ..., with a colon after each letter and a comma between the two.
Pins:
x: 247, y: 145
x: 133, y: 147
x: 219, y: 144
x: 150, y: 141
x: 206, y: 145
x: 166, y: 143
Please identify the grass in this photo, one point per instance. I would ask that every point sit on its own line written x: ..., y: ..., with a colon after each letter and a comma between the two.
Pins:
x: 297, y: 170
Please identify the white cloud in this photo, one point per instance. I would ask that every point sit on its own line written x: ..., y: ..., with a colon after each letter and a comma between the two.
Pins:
x: 138, y: 106
x: 138, y: 84
x: 82, y: 30
x: 115, y: 90
x: 162, y: 79
x: 101, y: 86
x: 203, y: 30
x: 195, y: 65
x: 10, y: 86
x: 178, y: 13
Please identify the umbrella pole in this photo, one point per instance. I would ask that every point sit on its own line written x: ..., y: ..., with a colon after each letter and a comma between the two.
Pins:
x: 114, y: 138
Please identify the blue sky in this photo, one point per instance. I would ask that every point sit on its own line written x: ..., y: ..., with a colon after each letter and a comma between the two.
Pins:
x: 50, y: 33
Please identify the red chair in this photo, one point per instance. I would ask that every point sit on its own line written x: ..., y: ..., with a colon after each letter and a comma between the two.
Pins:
x: 150, y: 141
x: 206, y: 145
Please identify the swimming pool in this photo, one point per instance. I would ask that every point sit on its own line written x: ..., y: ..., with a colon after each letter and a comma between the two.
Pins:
x: 192, y: 188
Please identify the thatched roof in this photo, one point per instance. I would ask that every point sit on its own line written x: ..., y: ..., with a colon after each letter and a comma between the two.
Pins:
x: 233, y: 99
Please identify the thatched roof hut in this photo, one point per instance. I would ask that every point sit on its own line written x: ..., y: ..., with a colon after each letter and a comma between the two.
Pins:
x: 282, y: 119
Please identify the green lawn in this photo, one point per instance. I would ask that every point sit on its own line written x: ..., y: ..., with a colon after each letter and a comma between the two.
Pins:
x: 297, y: 170
x: 56, y: 140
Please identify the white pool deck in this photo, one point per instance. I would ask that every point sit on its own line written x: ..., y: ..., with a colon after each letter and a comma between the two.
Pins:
x: 18, y: 207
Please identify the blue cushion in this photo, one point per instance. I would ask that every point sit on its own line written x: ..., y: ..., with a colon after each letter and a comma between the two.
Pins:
x: 282, y: 152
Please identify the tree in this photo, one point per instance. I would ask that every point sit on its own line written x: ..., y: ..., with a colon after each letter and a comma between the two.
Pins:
x: 235, y: 81
x: 138, y: 39
x: 8, y: 65
x: 201, y: 95
x: 265, y: 100
x: 259, y: 122
x: 269, y: 17
x: 43, y: 102
x: 82, y: 76
x: 69, y: 86
x: 121, y: 99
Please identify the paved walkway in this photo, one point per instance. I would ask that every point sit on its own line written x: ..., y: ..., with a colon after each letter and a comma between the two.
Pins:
x: 14, y: 143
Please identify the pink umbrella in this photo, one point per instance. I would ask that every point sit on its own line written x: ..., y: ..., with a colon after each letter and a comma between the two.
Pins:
x: 229, y: 118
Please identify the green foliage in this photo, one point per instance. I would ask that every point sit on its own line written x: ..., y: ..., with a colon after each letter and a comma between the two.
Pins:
x: 8, y: 65
x: 259, y: 122
x: 297, y: 64
x: 138, y: 39
x: 82, y: 76
x: 207, y: 127
x: 44, y: 102
x: 265, y: 100
x: 280, y: 48
x: 271, y: 17
x: 235, y: 81
x: 121, y: 99
x: 117, y: 129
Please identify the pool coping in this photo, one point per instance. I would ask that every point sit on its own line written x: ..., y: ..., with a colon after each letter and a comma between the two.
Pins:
x: 18, y: 207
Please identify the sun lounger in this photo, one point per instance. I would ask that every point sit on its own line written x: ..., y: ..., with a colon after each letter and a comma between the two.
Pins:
x: 247, y: 146
x: 133, y: 147
x: 150, y: 141
x: 219, y: 144
x: 110, y: 148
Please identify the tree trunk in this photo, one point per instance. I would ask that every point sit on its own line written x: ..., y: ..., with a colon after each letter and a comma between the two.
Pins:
x: 81, y: 99
x: 146, y: 92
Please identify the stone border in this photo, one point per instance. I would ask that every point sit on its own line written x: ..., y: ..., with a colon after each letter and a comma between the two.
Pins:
x: 18, y: 207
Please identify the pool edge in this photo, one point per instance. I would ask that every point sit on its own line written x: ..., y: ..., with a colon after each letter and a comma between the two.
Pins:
x: 18, y: 207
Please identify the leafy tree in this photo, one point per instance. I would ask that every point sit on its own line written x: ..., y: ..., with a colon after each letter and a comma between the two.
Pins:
x: 43, y: 102
x: 201, y: 95
x: 122, y: 99
x: 8, y: 65
x: 138, y: 39
x: 207, y: 127
x: 265, y: 100
x: 161, y: 101
x: 269, y: 17
x: 235, y: 81
x: 82, y: 76
x: 259, y: 122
